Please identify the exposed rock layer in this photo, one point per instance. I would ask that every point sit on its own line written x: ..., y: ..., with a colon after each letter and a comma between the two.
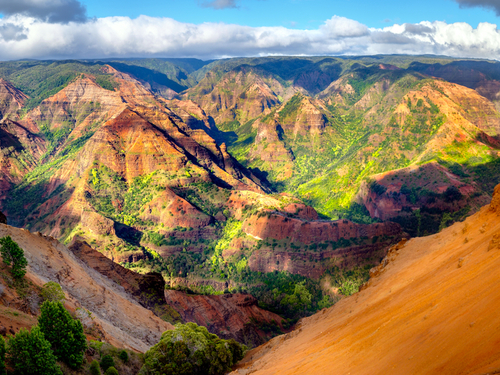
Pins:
x: 125, y: 323
x: 430, y: 307
x: 229, y: 316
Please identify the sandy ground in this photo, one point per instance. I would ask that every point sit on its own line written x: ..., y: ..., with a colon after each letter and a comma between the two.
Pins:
x: 433, y: 309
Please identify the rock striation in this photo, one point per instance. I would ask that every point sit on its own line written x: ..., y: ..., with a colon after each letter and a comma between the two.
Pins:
x: 430, y: 307
x: 230, y: 316
x: 124, y: 322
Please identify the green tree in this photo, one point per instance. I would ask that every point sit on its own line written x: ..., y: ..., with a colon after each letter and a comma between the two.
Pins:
x: 94, y: 368
x: 2, y: 356
x: 107, y: 361
x: 123, y: 356
x: 52, y: 291
x: 30, y: 353
x: 300, y: 299
x: 190, y: 349
x: 13, y: 255
x: 111, y: 371
x: 64, y: 333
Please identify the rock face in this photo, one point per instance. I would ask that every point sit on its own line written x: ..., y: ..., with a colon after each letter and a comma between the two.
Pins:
x: 431, y: 295
x: 235, y: 316
x: 147, y: 289
x: 278, y: 226
x: 11, y: 99
x: 3, y: 218
x: 125, y: 323
x: 309, y: 247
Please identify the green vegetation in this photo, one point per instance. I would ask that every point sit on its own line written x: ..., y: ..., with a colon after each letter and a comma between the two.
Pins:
x: 28, y: 352
x: 64, y: 333
x: 52, y: 291
x: 107, y: 361
x: 191, y: 349
x: 13, y: 256
x: 3, y: 351
x: 94, y: 368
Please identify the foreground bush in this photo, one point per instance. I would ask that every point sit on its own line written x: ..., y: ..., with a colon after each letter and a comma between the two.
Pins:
x: 191, y: 349
x: 64, y: 333
x: 30, y: 353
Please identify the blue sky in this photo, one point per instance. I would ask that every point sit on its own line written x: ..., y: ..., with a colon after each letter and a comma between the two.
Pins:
x: 207, y: 29
x: 304, y: 14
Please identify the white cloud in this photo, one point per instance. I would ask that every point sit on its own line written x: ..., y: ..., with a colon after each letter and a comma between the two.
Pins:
x: 344, y: 27
x: 28, y: 37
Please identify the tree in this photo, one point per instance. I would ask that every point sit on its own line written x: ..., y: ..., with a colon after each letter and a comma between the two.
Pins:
x: 106, y: 362
x: 13, y: 254
x: 94, y: 368
x: 123, y: 356
x: 111, y: 371
x: 30, y: 353
x: 300, y: 299
x: 64, y: 333
x: 52, y: 291
x: 2, y: 356
x: 190, y: 349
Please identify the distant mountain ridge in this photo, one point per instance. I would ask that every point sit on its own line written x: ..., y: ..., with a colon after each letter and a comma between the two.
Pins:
x: 212, y: 185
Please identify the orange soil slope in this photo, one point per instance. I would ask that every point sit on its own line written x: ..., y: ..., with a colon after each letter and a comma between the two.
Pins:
x: 431, y: 307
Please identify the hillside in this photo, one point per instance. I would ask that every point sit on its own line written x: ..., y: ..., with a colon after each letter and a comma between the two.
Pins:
x: 429, y: 307
x: 366, y: 139
x: 117, y: 317
x: 150, y: 183
x: 283, y: 177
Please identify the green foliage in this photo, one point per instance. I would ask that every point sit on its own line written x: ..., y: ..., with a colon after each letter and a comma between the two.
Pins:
x: 3, y: 350
x: 94, y: 368
x: 107, y: 361
x: 300, y: 299
x: 13, y: 255
x: 348, y: 281
x: 291, y: 107
x: 191, y: 349
x: 452, y: 194
x: 28, y: 352
x: 52, y: 291
x: 111, y: 371
x: 107, y: 82
x: 123, y: 356
x: 64, y: 333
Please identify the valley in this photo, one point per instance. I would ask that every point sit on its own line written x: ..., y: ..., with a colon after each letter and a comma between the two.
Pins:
x: 247, y: 194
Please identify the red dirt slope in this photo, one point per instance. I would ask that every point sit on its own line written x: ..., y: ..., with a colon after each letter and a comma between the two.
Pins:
x: 431, y: 307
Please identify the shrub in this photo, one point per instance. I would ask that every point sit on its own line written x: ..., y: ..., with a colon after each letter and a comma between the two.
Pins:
x: 106, y: 362
x: 2, y: 356
x: 64, y: 333
x: 52, y: 291
x: 13, y: 254
x: 111, y: 371
x: 30, y: 353
x: 94, y: 368
x: 190, y: 349
x: 123, y: 356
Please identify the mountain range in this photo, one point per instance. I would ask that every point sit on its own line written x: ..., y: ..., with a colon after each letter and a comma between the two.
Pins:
x: 284, y: 178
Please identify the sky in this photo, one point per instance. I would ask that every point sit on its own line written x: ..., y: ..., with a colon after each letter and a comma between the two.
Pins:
x: 208, y: 29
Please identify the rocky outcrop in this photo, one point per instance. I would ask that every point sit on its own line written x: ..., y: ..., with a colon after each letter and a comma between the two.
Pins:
x: 275, y: 225
x: 432, y: 296
x: 147, y: 289
x: 235, y: 316
x: 11, y: 100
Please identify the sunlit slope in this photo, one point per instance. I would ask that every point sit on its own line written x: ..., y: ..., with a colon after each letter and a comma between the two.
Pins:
x: 431, y: 307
